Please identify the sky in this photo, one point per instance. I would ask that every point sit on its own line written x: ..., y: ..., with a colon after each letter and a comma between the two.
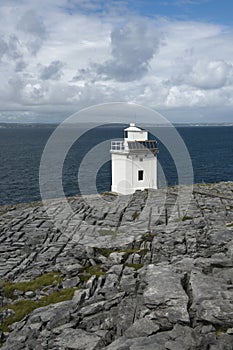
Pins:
x: 59, y: 56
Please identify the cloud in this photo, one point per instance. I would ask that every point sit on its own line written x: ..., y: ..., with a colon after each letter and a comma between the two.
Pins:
x: 14, y: 47
x: 52, y: 71
x: 68, y: 56
x: 211, y: 75
x: 133, y: 46
x: 20, y: 66
x: 3, y: 47
x: 32, y: 25
x: 11, y: 47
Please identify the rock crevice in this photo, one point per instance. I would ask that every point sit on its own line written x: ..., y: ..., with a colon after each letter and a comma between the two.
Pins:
x: 120, y: 279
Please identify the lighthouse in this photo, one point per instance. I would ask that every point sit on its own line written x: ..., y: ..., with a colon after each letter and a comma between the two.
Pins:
x: 134, y: 161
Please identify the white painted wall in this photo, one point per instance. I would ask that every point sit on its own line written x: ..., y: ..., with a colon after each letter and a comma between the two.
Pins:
x: 125, y: 169
x: 126, y: 164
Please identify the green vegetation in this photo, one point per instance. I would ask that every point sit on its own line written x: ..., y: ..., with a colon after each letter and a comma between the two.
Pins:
x: 113, y: 194
x: 23, y: 307
x: 220, y: 330
x: 1, y: 214
x: 128, y: 251
x: 148, y: 237
x: 105, y: 232
x: 48, y: 279
x: 205, y: 184
x: 135, y: 215
x: 87, y: 271
x: 135, y: 266
x: 107, y: 251
x: 184, y: 218
x: 143, y: 252
x: 229, y: 207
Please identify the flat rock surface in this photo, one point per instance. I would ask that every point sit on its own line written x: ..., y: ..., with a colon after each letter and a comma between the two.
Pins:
x: 149, y: 271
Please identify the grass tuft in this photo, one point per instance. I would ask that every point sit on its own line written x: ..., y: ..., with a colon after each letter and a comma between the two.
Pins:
x: 113, y: 194
x: 107, y: 251
x: 135, y: 215
x: 105, y: 232
x: 148, y: 237
x: 220, y: 330
x: 134, y: 266
x: 50, y: 278
x: 24, y: 307
x: 184, y: 218
x: 87, y: 272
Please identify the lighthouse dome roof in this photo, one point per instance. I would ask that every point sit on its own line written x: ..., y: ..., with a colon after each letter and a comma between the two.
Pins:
x: 133, y: 128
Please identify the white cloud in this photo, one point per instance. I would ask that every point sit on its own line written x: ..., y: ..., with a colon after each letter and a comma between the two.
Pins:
x: 52, y: 71
x: 52, y: 60
x: 133, y: 46
x: 211, y: 74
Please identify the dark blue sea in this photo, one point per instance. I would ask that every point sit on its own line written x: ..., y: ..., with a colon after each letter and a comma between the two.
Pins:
x: 21, y: 147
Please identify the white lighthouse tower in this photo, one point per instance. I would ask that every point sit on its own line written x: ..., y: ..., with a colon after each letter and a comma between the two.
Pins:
x: 134, y: 161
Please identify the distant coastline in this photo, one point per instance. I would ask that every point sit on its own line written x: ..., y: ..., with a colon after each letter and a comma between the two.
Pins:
x: 6, y: 125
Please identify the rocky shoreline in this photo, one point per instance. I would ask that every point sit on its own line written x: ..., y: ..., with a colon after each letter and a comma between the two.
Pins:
x: 114, y: 277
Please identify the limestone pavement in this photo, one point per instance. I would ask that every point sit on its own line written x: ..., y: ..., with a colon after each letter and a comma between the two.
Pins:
x: 136, y: 284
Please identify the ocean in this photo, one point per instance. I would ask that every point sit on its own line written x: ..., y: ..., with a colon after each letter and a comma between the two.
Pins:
x: 21, y: 147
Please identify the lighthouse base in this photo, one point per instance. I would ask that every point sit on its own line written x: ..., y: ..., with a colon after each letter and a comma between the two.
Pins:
x: 129, y: 190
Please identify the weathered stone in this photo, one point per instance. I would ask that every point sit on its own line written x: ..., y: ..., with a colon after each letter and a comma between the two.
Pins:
x: 164, y: 295
x: 181, y: 299
x: 71, y: 282
x: 76, y: 339
x: 141, y: 328
x: 30, y: 294
x: 80, y: 295
x: 211, y: 299
x: 71, y: 269
x: 116, y: 258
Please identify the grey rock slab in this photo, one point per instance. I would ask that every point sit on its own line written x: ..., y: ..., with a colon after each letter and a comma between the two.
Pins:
x: 128, y: 283
x: 53, y: 314
x: 154, y: 342
x: 76, y: 339
x: 212, y: 299
x: 92, y: 309
x: 138, y: 307
x: 142, y: 328
x: 80, y: 295
x: 164, y: 295
x: 71, y: 282
x: 116, y: 258
x: 70, y: 269
x: 30, y: 294
x: 111, y: 285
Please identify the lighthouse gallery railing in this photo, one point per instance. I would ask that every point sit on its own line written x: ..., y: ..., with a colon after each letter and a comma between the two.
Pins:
x: 150, y: 145
x: 117, y: 146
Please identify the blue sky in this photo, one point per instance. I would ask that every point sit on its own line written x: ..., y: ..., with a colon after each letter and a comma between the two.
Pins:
x: 174, y: 56
x: 215, y: 11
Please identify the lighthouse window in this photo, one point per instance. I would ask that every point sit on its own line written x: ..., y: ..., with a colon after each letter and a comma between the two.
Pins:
x: 126, y: 134
x: 140, y: 175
